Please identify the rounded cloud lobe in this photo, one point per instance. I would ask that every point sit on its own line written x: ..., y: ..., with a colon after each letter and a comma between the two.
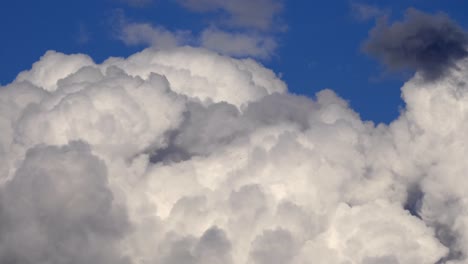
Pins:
x: 186, y: 156
x: 430, y: 44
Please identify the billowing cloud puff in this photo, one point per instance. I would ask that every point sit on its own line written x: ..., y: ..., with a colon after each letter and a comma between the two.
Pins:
x: 115, y: 113
x: 52, y: 67
x: 58, y: 208
x: 429, y: 44
x: 202, y: 74
x: 373, y: 233
x: 186, y: 156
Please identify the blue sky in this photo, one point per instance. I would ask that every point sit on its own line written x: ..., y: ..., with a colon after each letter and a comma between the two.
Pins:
x: 318, y: 44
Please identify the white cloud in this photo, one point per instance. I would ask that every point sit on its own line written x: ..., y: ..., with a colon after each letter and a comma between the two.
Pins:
x: 186, y: 156
x: 366, y: 234
x: 190, y: 71
x: 53, y: 66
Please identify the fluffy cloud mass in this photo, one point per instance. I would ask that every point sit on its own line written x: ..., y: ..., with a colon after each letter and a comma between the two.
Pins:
x: 186, y: 156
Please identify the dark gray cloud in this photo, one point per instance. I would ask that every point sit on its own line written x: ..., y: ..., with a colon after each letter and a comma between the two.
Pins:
x: 429, y: 44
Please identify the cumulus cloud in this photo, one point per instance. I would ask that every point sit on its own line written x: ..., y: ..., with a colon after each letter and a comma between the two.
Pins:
x: 429, y: 44
x: 185, y: 156
x: 52, y: 67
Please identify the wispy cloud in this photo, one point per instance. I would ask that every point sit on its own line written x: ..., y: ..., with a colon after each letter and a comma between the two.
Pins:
x: 137, y: 3
x: 83, y: 36
x: 145, y: 34
x: 238, y: 44
x: 156, y: 36
x: 364, y: 12
x: 252, y: 14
